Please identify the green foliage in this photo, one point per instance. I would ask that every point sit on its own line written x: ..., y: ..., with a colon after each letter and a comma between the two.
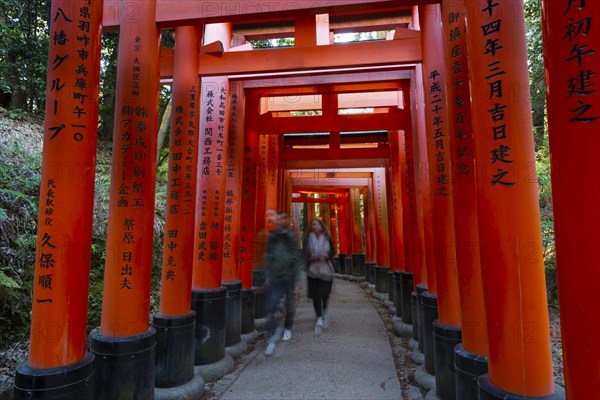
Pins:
x: 19, y: 187
x: 108, y: 84
x: 23, y: 52
x: 270, y: 43
x: 537, y: 82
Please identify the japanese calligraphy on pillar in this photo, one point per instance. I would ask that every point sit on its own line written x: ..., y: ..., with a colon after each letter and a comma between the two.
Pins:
x: 264, y: 157
x: 458, y: 91
x: 70, y: 109
x: 212, y: 156
x: 62, y: 260
x: 500, y: 155
x: 229, y: 252
x: 248, y: 197
x: 439, y: 138
x: 180, y: 204
x: 580, y: 44
x: 408, y: 177
x: 273, y: 145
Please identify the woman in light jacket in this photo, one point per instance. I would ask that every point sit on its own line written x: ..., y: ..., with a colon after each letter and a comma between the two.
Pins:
x: 318, y: 251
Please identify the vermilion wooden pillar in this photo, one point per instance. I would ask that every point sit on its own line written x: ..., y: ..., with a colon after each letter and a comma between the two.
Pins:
x: 262, y: 212
x: 368, y: 245
x: 571, y: 31
x: 403, y: 279
x: 370, y: 210
x: 247, y: 256
x: 324, y: 209
x: 233, y: 193
x: 349, y: 222
x: 232, y: 271
x: 396, y: 141
x: 310, y: 210
x: 358, y: 249
x: 390, y: 215
x: 413, y: 243
x: 128, y: 266
x: 470, y: 354
x: 423, y: 184
x: 381, y: 226
x: 512, y: 262
x: 295, y: 211
x: 440, y: 174
x: 183, y: 154
x: 238, y: 300
x: 357, y: 245
x: 342, y: 225
x: 211, y: 296
x: 272, y: 174
x: 175, y: 321
x: 441, y: 311
x: 62, y: 262
x: 333, y: 223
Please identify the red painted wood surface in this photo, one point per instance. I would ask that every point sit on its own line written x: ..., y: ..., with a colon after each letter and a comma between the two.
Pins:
x: 514, y: 285
x: 62, y: 260
x: 128, y: 265
x: 178, y: 247
x: 572, y: 51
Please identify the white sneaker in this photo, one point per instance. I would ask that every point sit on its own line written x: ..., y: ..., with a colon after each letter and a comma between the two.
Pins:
x: 319, y: 326
x: 287, y: 335
x: 270, y: 349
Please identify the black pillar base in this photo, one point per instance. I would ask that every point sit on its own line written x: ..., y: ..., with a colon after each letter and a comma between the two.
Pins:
x: 415, y: 320
x: 248, y: 297
x: 260, y: 299
x: 406, y: 288
x: 391, y: 288
x: 335, y: 261
x: 74, y: 381
x: 174, y: 349
x: 341, y: 263
x: 233, y: 323
x: 397, y: 290
x: 125, y: 366
x: 210, y: 307
x: 370, y: 266
x: 487, y: 391
x: 348, y: 266
x: 445, y: 337
x: 358, y: 264
x: 381, y: 279
x: 420, y: 290
x: 468, y: 368
x: 430, y: 314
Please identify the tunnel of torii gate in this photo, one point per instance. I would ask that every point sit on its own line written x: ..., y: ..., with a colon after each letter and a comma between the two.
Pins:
x: 415, y: 150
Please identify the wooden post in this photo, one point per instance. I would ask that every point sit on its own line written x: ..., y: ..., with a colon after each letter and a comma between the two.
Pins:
x: 514, y: 285
x: 210, y: 297
x: 128, y: 266
x: 247, y: 254
x: 571, y: 52
x: 175, y: 321
x: 357, y: 244
x: 62, y: 261
x: 396, y: 140
x: 471, y: 353
x: 381, y: 223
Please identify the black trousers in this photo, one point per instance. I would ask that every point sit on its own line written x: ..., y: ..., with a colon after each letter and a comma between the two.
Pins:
x: 319, y: 291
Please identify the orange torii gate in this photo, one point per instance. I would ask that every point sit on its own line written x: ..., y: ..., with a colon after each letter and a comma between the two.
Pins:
x: 438, y: 153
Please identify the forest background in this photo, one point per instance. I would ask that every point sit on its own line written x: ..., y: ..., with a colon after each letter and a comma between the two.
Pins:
x: 23, y: 66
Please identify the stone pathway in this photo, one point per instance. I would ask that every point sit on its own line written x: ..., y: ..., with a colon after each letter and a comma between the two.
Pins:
x: 352, y: 359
